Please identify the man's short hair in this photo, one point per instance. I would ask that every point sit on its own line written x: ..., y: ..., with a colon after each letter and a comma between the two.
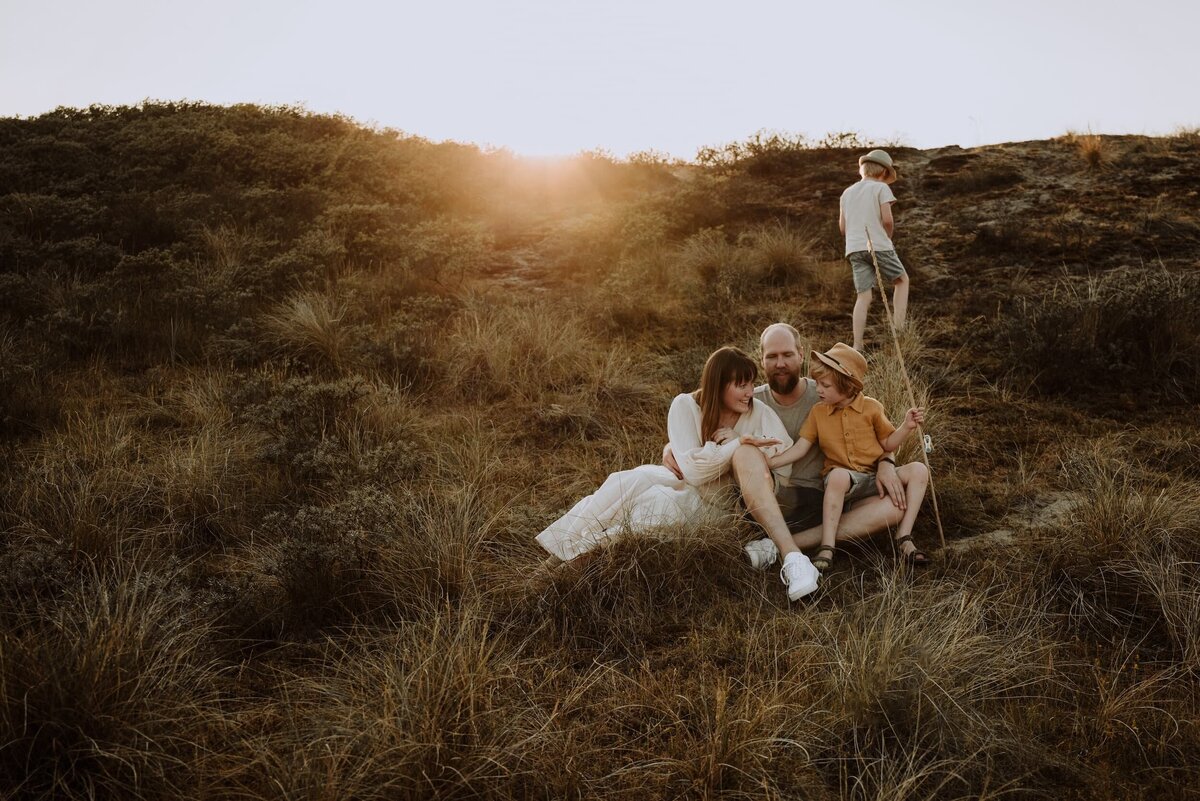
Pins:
x: 789, y: 328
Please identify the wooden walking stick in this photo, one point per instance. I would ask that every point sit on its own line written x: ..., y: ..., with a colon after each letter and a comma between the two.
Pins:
x: 912, y: 396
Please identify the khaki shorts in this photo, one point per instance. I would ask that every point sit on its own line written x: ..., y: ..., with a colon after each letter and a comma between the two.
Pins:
x: 890, y: 268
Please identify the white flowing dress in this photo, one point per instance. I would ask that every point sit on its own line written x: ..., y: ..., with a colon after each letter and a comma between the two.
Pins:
x: 651, y: 495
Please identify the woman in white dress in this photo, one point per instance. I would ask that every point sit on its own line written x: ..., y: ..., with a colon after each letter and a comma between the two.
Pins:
x: 705, y: 427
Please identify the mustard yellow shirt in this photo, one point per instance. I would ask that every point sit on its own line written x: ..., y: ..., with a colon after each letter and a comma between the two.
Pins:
x: 850, y: 436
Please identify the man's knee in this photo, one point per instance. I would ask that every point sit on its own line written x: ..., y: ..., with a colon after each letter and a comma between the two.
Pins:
x: 749, y: 464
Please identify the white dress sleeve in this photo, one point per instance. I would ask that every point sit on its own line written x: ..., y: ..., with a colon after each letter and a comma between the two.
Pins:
x: 700, y: 462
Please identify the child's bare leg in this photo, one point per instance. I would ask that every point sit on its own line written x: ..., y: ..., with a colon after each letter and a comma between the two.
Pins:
x: 836, y: 487
x: 859, y: 318
x: 900, y: 302
x: 837, y: 484
x: 915, y: 477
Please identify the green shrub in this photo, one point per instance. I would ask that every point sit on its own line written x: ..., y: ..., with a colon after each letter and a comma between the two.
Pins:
x: 1133, y: 330
x: 314, y: 432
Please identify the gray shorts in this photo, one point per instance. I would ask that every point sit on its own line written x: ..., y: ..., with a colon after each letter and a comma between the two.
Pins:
x: 862, y: 485
x: 802, y: 506
x: 864, y: 269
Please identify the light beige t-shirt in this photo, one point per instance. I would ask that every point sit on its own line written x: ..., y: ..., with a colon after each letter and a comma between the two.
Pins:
x: 860, y: 207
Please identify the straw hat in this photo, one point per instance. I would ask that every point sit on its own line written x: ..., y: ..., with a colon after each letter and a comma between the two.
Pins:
x: 881, y: 158
x: 845, y: 359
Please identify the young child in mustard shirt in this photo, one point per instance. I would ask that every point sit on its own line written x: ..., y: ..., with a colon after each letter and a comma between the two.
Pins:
x: 855, y: 434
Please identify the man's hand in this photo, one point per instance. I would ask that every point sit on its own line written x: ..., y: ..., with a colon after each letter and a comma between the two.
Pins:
x: 889, y: 484
x: 670, y: 463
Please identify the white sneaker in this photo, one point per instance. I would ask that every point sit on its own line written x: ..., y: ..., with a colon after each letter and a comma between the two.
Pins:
x: 761, y: 553
x: 799, y: 575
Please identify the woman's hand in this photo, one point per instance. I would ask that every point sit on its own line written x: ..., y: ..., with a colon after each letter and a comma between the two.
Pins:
x: 723, y: 435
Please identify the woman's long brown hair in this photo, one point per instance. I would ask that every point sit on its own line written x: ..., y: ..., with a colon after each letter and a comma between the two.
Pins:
x: 723, y: 366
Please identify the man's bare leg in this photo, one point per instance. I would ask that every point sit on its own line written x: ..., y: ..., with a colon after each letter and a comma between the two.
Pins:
x: 758, y: 493
x: 868, y: 516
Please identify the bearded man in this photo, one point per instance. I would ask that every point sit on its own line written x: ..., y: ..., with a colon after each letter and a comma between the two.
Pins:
x: 795, y: 505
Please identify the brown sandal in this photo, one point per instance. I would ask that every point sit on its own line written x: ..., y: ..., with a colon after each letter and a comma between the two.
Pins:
x: 915, y: 557
x: 823, y: 563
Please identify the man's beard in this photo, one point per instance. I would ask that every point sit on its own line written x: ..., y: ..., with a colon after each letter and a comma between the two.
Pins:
x: 783, y: 384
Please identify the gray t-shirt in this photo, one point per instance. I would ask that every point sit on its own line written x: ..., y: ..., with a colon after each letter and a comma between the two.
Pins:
x: 807, y: 471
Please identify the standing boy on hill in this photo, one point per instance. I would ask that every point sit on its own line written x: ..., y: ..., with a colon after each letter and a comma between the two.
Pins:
x: 866, y: 208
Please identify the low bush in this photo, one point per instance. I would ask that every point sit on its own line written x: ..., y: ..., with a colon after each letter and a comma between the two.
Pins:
x: 974, y: 180
x: 319, y: 433
x: 27, y: 402
x: 623, y: 598
x: 1126, y: 330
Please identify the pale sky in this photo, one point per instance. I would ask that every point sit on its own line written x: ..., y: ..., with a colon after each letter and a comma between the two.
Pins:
x: 550, y: 78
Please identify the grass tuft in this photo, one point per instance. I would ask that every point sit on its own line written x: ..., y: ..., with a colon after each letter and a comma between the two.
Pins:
x: 109, y: 696
x: 312, y: 325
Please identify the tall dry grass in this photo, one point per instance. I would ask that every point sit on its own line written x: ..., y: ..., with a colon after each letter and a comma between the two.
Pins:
x: 109, y: 694
x: 311, y: 573
x: 79, y: 487
x: 433, y: 709
x: 899, y: 385
x: 537, y: 353
x: 311, y: 325
x: 1128, y: 556
x: 1116, y: 329
x: 765, y: 255
x: 782, y: 254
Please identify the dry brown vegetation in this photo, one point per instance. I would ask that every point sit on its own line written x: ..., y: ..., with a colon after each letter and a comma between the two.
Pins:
x: 280, y: 424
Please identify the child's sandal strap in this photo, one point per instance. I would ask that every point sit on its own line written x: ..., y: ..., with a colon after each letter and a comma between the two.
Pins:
x: 822, y: 563
x: 916, y: 556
